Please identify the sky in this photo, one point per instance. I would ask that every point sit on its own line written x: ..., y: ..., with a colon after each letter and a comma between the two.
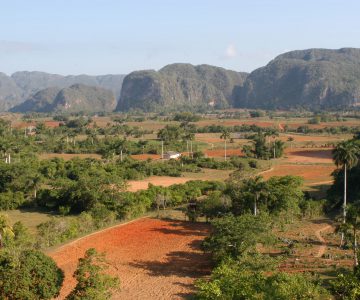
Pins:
x: 119, y: 36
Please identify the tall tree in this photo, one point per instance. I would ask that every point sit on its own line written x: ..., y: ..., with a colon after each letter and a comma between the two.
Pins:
x: 345, y: 155
x: 351, y: 227
x: 92, y: 282
x: 225, y: 135
x: 256, y: 186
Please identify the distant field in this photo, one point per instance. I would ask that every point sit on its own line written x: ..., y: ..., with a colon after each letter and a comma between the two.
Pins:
x: 207, y: 174
x: 310, y: 173
x: 315, y: 165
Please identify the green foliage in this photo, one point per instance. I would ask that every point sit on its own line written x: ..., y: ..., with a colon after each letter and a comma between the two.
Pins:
x: 33, y: 276
x: 262, y: 148
x: 170, y: 133
x: 92, y: 282
x: 278, y: 195
x: 346, y: 153
x: 236, y: 236
x: 245, y: 279
x: 346, y: 286
x: 312, y: 208
x: 11, y: 200
x: 214, y: 205
x: 186, y: 117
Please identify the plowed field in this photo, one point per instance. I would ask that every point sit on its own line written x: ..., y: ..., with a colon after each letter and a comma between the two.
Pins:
x: 154, y: 259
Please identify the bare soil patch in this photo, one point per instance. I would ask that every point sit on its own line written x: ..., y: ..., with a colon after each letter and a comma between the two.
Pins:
x: 146, y: 156
x: 310, y: 173
x: 221, y: 152
x: 299, y: 155
x: 136, y: 185
x: 155, y: 259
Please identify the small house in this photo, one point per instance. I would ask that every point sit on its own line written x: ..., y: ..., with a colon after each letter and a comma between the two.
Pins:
x: 172, y: 155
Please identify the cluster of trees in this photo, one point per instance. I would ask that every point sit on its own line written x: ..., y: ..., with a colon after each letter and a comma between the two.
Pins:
x: 242, y: 272
x: 27, y: 273
x: 76, y: 183
x: 198, y: 159
x: 105, y: 210
x: 243, y: 216
x: 282, y: 197
x: 263, y: 147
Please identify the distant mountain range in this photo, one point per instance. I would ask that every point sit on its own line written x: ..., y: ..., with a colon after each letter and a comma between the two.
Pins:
x: 78, y: 97
x: 180, y: 84
x: 312, y: 79
x: 21, y: 86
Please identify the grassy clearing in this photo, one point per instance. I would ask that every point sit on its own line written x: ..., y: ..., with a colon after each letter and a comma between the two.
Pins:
x: 30, y: 218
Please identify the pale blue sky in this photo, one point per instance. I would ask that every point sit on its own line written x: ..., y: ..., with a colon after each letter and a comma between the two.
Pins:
x: 109, y: 36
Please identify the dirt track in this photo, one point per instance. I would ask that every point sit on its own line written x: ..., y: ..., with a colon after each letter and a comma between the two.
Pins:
x: 322, y: 247
x: 155, y: 259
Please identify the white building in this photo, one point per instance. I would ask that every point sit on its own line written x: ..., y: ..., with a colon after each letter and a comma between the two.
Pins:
x: 172, y: 155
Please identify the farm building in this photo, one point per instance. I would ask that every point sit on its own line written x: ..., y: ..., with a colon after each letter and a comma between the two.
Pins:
x: 172, y: 155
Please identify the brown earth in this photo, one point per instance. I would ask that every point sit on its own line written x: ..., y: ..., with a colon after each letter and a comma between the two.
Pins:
x: 135, y: 185
x: 310, y: 173
x: 145, y: 156
x: 300, y: 155
x: 221, y: 152
x: 154, y: 259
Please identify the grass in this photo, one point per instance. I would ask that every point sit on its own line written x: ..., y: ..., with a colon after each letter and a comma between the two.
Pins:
x: 31, y: 218
x: 209, y: 174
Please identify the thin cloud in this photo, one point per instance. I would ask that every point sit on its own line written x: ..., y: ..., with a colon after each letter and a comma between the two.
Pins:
x: 230, y: 51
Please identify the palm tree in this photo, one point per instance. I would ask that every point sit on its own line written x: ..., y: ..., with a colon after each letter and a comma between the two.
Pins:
x: 352, y: 226
x: 345, y: 155
x: 35, y: 183
x: 225, y: 135
x: 256, y: 186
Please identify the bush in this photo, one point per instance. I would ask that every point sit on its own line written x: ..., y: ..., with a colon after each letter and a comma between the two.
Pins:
x: 33, y: 276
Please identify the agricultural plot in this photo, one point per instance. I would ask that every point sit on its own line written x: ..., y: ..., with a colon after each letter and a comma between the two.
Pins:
x: 155, y: 259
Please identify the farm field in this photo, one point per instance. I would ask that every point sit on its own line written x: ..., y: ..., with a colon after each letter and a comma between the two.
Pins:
x: 311, y: 174
x: 315, y: 165
x: 316, y: 248
x: 155, y: 259
x: 207, y: 174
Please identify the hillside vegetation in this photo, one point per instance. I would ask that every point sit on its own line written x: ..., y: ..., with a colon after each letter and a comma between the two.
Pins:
x: 179, y: 84
x: 21, y: 86
x: 312, y: 79
x: 78, y: 97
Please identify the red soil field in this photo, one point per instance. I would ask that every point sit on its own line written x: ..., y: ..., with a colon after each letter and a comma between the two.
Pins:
x: 208, y: 138
x: 313, y: 138
x: 310, y: 173
x: 51, y: 124
x: 220, y: 152
x: 136, y: 185
x: 154, y: 259
x: 145, y: 156
x: 299, y: 155
x: 204, y: 123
